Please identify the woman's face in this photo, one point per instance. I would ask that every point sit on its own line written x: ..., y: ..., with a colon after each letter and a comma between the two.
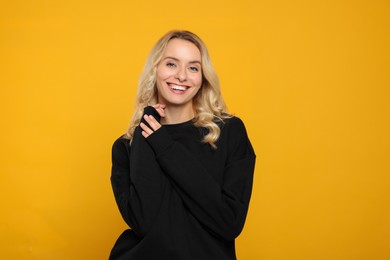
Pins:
x: 179, y: 73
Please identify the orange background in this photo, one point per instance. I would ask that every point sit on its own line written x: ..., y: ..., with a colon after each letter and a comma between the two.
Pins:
x: 309, y: 78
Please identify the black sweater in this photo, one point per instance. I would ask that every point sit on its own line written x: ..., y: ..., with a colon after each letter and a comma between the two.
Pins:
x: 181, y: 198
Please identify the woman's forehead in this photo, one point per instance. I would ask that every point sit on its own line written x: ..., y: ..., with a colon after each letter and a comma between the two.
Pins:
x: 182, y: 49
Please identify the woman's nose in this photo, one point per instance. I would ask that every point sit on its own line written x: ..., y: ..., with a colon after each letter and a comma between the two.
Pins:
x: 181, y: 74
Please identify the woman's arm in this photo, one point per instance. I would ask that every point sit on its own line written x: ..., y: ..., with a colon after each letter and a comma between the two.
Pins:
x: 221, y: 208
x: 137, y: 182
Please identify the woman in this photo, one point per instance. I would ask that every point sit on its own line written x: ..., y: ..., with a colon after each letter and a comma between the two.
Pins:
x: 182, y: 175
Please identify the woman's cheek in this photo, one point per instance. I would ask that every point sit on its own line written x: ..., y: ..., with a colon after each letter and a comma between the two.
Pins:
x: 199, y: 81
x: 163, y: 73
x: 195, y: 79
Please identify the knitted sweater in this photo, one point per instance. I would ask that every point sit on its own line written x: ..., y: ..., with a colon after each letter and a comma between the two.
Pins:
x: 181, y: 198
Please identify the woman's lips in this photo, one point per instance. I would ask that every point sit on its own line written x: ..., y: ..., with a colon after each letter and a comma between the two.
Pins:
x: 178, y: 89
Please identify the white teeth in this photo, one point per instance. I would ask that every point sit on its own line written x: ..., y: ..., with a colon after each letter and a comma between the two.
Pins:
x: 176, y: 87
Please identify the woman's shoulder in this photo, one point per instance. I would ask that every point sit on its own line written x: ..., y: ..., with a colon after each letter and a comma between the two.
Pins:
x: 232, y: 123
x: 235, y: 137
x: 121, y: 142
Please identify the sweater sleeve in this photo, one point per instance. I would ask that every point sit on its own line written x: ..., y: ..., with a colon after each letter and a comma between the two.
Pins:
x: 136, y: 182
x: 221, y: 208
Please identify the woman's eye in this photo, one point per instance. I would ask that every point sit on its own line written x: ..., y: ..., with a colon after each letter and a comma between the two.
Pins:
x: 195, y: 69
x: 170, y: 64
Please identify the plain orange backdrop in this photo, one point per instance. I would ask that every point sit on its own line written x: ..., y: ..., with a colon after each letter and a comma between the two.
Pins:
x: 309, y: 78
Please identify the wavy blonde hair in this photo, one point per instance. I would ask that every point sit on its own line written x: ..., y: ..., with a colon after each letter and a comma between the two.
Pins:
x: 209, y: 106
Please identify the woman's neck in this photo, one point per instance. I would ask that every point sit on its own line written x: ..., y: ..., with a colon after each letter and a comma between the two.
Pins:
x: 177, y: 114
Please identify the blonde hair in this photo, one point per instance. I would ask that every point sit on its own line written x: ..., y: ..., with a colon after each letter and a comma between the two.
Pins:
x: 208, y: 103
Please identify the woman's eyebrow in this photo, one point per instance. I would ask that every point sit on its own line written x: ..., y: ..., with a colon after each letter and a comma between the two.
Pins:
x: 176, y: 59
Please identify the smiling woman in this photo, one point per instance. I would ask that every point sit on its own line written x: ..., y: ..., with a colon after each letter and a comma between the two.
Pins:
x: 179, y: 78
x: 182, y: 175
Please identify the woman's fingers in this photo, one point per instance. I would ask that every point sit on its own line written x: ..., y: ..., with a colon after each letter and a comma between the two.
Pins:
x: 161, y: 112
x: 160, y: 109
x: 146, y: 131
x: 154, y: 124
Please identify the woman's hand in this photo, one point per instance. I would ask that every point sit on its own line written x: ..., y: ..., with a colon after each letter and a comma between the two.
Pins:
x: 154, y: 124
x: 160, y: 109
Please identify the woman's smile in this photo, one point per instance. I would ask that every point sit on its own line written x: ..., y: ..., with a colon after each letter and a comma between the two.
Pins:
x: 178, y: 89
